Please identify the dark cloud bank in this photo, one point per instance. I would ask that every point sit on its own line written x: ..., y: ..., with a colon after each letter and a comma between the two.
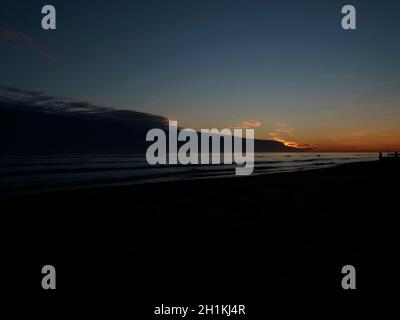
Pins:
x: 32, y: 122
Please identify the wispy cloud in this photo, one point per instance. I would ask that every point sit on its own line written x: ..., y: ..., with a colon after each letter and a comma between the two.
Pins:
x: 27, y: 41
x: 281, y: 129
x: 246, y: 124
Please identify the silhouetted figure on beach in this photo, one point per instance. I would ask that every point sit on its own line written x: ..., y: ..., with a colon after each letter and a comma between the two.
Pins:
x: 380, y: 156
x: 396, y: 154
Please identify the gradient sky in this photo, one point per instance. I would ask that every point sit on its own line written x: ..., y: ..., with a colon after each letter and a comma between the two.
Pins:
x: 286, y: 65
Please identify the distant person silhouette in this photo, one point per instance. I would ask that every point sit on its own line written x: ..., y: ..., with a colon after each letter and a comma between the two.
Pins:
x: 380, y: 156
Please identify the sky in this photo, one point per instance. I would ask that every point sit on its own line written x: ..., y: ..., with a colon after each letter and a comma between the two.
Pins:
x: 285, y: 68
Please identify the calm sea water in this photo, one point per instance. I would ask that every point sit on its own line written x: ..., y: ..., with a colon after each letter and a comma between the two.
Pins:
x: 43, y: 173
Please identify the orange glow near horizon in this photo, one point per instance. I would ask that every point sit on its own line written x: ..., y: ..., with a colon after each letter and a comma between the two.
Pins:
x: 358, y: 148
x: 332, y: 139
x: 343, y: 146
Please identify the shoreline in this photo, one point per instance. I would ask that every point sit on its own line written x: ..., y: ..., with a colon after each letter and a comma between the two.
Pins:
x: 136, y: 184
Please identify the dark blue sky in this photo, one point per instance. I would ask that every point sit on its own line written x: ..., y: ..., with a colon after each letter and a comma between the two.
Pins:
x: 288, y: 65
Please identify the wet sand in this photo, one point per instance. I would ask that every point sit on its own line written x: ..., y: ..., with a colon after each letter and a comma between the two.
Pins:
x: 267, y: 235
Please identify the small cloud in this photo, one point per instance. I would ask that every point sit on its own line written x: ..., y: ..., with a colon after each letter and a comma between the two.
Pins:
x: 283, y: 134
x: 288, y: 132
x: 293, y: 144
x: 281, y: 129
x: 18, y: 37
x: 247, y: 124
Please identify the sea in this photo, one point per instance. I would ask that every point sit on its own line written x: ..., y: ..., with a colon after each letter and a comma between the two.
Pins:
x: 38, y: 174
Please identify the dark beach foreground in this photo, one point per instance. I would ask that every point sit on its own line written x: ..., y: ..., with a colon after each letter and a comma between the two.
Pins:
x: 270, y: 235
